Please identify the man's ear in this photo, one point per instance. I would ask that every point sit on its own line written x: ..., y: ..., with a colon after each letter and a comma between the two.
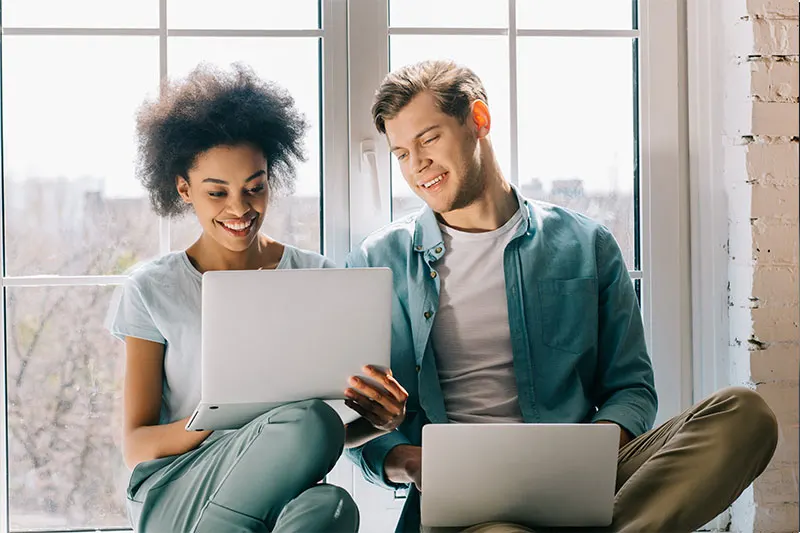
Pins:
x: 481, y: 118
x: 182, y: 184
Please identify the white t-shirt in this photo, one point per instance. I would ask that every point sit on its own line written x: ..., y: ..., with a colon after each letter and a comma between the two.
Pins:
x: 471, y: 336
x: 160, y: 302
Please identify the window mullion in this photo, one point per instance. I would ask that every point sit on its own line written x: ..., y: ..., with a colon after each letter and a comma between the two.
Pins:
x: 335, y: 187
x: 512, y: 87
x: 370, y: 184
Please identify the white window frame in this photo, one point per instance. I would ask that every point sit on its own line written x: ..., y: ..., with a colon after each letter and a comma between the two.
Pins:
x: 709, y: 212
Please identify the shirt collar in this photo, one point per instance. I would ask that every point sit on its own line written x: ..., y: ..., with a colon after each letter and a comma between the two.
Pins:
x: 428, y: 235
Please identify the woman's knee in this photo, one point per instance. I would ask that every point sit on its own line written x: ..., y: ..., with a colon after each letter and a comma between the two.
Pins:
x: 318, y: 427
x: 322, y: 508
x: 342, y: 509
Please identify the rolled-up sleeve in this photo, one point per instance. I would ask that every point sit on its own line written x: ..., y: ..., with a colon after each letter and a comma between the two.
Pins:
x: 371, y: 457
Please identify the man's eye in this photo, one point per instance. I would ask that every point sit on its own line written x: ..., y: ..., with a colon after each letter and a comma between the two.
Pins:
x: 401, y: 157
x: 429, y: 141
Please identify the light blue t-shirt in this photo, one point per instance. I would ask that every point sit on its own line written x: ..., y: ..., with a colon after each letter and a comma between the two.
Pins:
x: 160, y: 302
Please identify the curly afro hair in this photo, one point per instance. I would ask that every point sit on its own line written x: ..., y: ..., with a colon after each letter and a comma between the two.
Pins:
x: 209, y: 108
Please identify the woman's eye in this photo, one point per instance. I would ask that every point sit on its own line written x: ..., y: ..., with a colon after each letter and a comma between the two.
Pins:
x: 401, y: 157
x: 216, y: 194
x: 257, y: 189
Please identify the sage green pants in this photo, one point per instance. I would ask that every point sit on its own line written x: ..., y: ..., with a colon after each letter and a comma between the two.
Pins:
x: 680, y: 475
x: 262, y: 477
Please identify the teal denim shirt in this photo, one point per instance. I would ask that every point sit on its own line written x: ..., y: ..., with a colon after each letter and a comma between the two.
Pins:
x: 576, y: 330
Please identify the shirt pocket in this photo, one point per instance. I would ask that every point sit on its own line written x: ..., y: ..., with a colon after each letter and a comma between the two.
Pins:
x: 569, y: 314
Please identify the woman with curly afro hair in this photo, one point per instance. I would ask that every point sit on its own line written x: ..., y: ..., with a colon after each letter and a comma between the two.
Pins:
x: 220, y: 144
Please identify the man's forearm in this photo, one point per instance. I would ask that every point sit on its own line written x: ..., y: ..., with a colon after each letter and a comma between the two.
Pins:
x: 624, y: 436
x: 403, y: 464
x: 359, y: 432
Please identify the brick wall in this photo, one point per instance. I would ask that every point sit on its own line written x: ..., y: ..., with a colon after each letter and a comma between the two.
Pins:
x: 761, y: 174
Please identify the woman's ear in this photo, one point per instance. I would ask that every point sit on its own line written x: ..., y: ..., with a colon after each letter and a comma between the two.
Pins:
x: 481, y: 118
x: 182, y: 184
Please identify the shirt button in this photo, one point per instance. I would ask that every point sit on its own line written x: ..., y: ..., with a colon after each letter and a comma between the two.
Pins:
x: 438, y: 249
x: 433, y: 274
x: 417, y: 368
x: 427, y: 314
x: 418, y: 248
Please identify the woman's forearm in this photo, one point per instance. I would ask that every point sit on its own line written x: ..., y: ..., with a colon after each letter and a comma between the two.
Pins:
x: 146, y: 443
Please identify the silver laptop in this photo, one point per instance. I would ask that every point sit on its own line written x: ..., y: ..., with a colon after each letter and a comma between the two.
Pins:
x: 545, y: 475
x: 271, y: 337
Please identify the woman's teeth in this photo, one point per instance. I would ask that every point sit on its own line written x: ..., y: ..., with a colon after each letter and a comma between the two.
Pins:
x: 241, y: 226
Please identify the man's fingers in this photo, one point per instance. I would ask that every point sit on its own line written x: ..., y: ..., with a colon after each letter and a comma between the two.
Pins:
x: 367, y: 390
x: 358, y: 409
x: 371, y: 406
x: 385, y: 378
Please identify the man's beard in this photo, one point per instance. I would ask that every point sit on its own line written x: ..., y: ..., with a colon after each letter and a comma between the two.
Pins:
x: 471, y: 189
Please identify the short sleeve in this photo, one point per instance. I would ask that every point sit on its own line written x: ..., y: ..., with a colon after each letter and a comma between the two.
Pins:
x: 130, y: 316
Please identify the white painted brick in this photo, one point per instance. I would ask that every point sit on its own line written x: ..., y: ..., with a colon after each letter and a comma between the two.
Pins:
x: 776, y: 486
x: 775, y: 241
x: 779, y: 518
x: 774, y: 81
x: 776, y: 324
x: 773, y: 8
x: 737, y: 32
x: 777, y: 362
x: 740, y: 250
x: 774, y: 162
x: 772, y: 200
x: 775, y: 285
x: 739, y: 372
x: 782, y: 397
x: 736, y: 173
x: 775, y: 37
x: 788, y: 445
x: 773, y: 118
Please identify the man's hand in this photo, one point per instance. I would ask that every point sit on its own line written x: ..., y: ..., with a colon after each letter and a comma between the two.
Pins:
x: 404, y: 465
x: 624, y: 436
x: 384, y: 406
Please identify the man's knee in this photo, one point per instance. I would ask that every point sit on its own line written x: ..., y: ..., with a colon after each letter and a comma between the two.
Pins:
x: 752, y: 417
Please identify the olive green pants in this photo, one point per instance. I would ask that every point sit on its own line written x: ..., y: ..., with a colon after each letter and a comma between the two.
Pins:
x: 262, y: 477
x: 680, y: 475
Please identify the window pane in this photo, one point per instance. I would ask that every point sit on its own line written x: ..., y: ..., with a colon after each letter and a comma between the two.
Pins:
x: 448, y: 14
x: 294, y: 219
x: 80, y: 13
x: 73, y: 205
x: 488, y: 57
x: 575, y: 14
x: 243, y: 14
x: 64, y: 410
x: 576, y: 128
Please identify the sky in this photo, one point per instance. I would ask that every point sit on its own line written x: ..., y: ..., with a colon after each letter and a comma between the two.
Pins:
x: 69, y: 102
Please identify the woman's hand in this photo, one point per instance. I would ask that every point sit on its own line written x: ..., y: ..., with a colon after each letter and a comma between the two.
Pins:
x: 384, y: 406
